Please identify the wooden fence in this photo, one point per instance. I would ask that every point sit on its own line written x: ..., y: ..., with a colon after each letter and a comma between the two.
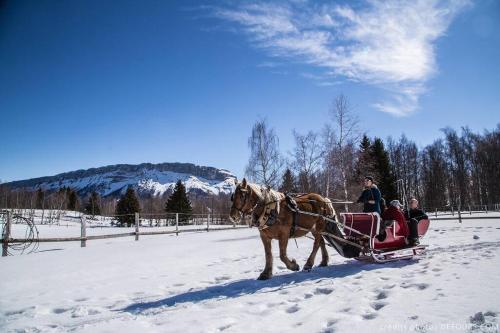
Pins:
x: 83, y: 238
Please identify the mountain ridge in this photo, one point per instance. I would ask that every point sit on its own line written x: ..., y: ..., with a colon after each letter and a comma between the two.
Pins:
x: 145, y: 178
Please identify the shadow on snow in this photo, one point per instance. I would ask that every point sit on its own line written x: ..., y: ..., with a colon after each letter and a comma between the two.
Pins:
x: 252, y: 286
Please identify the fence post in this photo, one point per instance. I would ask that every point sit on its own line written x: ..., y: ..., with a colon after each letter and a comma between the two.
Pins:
x: 137, y: 222
x: 459, y: 215
x: 486, y: 208
x: 84, y: 232
x: 470, y: 210
x: 436, y: 212
x: 6, y: 235
x: 208, y: 221
x: 177, y: 224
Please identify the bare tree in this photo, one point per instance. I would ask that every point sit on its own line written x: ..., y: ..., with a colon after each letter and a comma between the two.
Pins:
x: 307, y: 156
x: 265, y: 163
x: 342, y: 137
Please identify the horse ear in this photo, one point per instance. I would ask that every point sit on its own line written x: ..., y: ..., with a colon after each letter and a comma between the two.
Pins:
x: 244, y: 183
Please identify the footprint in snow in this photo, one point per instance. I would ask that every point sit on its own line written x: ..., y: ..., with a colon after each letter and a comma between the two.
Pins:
x: 19, y: 312
x: 294, y: 300
x: 331, y: 322
x: 369, y: 316
x: 421, y: 286
x: 323, y: 291
x: 222, y: 278
x: 81, y: 299
x: 378, y: 305
x: 293, y: 309
x: 223, y: 328
x: 381, y: 295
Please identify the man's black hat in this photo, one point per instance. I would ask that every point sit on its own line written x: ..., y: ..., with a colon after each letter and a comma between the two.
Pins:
x: 370, y: 178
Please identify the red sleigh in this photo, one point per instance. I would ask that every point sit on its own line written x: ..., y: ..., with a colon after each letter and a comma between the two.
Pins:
x: 359, y: 236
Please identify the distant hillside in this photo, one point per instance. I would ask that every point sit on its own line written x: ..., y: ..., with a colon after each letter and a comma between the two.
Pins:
x: 145, y: 178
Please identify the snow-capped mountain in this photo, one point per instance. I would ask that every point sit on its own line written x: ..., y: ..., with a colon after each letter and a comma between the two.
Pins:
x: 146, y: 179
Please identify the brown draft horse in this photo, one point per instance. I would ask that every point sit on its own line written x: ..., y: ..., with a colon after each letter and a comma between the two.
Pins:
x: 252, y: 199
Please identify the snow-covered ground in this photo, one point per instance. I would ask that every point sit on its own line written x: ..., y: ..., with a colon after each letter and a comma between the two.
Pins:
x: 205, y: 282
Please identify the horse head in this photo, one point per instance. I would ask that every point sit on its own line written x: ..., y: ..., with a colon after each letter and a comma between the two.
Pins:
x: 244, y: 200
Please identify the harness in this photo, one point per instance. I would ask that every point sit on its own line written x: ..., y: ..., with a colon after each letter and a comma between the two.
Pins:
x: 292, y: 205
x: 271, y: 207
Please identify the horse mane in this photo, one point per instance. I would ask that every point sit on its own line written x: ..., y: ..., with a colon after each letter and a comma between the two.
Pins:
x: 256, y: 189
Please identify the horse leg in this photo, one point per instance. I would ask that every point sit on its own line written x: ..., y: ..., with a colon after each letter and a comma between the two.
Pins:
x: 290, y: 264
x: 267, y: 273
x: 310, y: 261
x: 324, y: 253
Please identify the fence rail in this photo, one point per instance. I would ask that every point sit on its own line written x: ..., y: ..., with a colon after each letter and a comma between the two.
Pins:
x: 200, y: 223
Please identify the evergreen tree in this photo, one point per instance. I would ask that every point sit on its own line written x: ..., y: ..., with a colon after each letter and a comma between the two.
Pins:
x: 72, y: 199
x: 386, y: 182
x: 40, y: 199
x: 288, y: 182
x: 364, y: 164
x: 178, y: 202
x: 127, y: 206
x: 92, y: 207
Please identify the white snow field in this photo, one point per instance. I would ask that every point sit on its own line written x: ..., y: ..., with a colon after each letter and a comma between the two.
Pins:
x: 206, y: 282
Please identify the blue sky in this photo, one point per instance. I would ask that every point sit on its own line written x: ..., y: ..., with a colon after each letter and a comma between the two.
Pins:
x: 91, y: 83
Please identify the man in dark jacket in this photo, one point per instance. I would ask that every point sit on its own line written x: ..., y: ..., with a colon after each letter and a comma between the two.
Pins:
x: 370, y: 197
x: 413, y: 216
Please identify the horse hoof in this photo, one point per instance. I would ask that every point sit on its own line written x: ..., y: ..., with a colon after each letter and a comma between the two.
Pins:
x: 307, y: 268
x: 323, y: 264
x: 295, y: 267
x: 263, y: 276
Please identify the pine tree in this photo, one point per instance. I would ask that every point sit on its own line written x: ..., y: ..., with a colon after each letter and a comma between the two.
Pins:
x: 92, y: 207
x: 72, y: 199
x: 364, y: 164
x: 40, y: 199
x: 178, y: 202
x: 127, y: 206
x: 288, y: 182
x: 382, y: 170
